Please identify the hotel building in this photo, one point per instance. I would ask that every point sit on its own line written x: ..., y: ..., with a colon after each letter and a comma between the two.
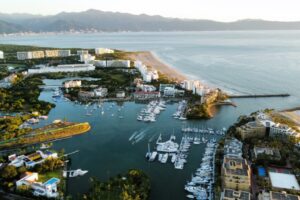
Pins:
x: 63, y: 68
x: 99, y: 51
x: 236, y: 174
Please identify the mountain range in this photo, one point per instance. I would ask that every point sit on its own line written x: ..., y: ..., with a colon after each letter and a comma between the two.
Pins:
x: 96, y: 20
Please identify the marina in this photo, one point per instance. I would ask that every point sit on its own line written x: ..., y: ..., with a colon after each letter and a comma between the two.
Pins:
x: 178, y: 153
x: 180, y: 112
x: 192, y: 129
x: 152, y: 110
x: 200, y: 186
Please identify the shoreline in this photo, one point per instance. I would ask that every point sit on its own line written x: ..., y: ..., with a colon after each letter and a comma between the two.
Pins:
x: 153, y: 61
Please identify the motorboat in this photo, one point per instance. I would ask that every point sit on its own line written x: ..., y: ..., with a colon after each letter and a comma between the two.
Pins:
x: 74, y: 173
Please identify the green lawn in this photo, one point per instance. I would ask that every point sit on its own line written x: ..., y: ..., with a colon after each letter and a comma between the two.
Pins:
x: 48, y: 175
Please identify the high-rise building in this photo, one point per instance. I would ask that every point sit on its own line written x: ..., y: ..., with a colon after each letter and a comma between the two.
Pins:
x: 24, y: 55
x: 1, y: 55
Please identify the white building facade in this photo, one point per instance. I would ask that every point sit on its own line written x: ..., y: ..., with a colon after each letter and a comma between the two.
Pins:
x: 99, y: 51
x: 24, y: 55
x: 112, y: 63
x: 72, y: 84
x: 148, y: 75
x: 63, y: 68
x: 1, y: 55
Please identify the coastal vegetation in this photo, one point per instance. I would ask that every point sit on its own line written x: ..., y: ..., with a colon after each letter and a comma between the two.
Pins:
x: 9, y: 126
x: 134, y: 185
x: 202, y: 107
x: 23, y: 96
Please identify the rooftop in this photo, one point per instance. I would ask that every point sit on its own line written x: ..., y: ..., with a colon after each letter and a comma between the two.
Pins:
x: 237, y: 195
x: 283, y: 196
x: 283, y: 180
x: 236, y: 166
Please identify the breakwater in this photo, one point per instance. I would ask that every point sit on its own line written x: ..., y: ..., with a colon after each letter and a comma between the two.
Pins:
x: 259, y: 95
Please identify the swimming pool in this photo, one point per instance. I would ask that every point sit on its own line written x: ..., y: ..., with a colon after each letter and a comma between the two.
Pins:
x: 261, y: 171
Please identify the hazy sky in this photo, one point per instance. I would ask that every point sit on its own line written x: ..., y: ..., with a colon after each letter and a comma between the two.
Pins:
x: 221, y: 10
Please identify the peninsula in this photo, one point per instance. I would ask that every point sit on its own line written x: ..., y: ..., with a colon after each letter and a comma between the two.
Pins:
x: 48, y: 133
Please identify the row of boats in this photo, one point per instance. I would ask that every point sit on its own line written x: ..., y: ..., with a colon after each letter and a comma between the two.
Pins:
x: 178, y: 153
x: 179, y: 114
x: 151, y: 111
x: 190, y: 129
x: 201, y: 184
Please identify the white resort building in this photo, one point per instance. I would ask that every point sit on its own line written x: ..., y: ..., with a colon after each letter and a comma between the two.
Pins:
x: 99, y: 51
x: 47, y: 189
x: 82, y: 52
x: 27, y: 55
x: 62, y: 68
x: 100, y: 92
x: 112, y: 63
x: 72, y: 84
x: 148, y: 75
x: 1, y: 55
x: 24, y: 55
x: 57, y: 53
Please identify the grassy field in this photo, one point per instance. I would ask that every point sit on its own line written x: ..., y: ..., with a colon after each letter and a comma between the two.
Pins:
x: 43, y: 177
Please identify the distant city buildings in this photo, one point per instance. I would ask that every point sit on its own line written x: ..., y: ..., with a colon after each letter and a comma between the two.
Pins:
x: 1, y: 55
x: 99, y: 51
x: 62, y: 68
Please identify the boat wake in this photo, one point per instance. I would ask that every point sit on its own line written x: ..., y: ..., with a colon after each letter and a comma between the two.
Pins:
x: 138, y: 136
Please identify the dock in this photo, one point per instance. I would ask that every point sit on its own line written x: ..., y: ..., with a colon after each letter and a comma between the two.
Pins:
x: 259, y: 95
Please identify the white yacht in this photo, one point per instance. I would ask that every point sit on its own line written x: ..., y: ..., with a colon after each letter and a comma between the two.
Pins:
x: 74, y: 173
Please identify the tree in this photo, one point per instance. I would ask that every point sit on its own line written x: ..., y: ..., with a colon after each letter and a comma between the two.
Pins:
x: 9, y: 172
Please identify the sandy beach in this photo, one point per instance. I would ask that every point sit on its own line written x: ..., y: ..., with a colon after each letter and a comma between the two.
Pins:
x: 151, y: 60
